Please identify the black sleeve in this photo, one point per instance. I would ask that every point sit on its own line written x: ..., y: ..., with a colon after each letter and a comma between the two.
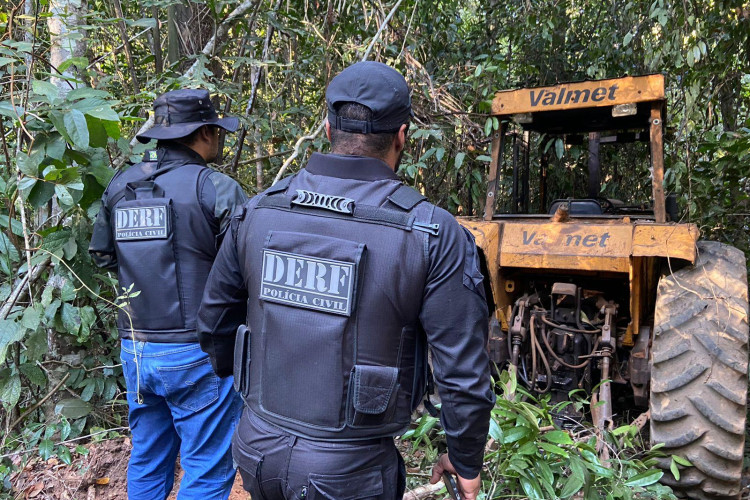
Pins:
x: 455, y: 318
x: 220, y: 197
x: 224, y: 304
x: 101, y: 247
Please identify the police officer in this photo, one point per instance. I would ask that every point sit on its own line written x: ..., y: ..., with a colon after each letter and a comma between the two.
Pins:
x: 344, y: 275
x: 159, y: 226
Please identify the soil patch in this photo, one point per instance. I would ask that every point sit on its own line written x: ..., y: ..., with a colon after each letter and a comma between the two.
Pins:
x: 99, y: 475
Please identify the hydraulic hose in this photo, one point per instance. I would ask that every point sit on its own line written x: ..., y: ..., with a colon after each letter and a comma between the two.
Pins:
x: 568, y: 328
x: 559, y: 360
x: 535, y: 346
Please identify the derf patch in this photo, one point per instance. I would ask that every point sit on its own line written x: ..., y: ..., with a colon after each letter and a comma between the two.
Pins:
x: 308, y: 282
x: 142, y: 223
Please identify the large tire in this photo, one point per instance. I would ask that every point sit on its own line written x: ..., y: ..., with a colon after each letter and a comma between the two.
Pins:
x: 699, y: 372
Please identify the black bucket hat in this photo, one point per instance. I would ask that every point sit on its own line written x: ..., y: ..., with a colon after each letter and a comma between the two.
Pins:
x: 179, y: 113
x: 377, y: 86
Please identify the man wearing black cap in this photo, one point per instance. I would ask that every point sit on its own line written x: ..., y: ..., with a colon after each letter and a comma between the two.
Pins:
x: 159, y: 226
x: 343, y: 276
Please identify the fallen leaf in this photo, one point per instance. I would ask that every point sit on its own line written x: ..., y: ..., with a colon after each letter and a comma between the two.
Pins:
x: 33, y: 490
x: 102, y: 481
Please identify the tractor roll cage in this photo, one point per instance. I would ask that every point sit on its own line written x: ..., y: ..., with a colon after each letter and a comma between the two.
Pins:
x: 632, y: 107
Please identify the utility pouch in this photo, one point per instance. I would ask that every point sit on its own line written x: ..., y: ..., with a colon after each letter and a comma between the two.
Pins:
x: 241, y: 359
x: 373, y: 398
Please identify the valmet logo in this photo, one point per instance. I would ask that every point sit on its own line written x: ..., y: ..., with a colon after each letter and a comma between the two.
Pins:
x: 566, y: 96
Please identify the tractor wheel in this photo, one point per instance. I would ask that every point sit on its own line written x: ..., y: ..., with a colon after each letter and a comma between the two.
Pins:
x: 699, y: 372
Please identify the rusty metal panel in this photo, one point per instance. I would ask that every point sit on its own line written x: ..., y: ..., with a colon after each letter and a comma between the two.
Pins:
x: 582, y: 246
x: 595, y: 93
x: 676, y: 241
x: 657, y: 160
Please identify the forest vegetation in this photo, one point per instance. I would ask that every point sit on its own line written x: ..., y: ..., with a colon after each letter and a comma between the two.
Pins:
x: 77, y: 79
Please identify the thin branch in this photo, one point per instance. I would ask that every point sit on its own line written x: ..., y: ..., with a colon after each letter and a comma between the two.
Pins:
x: 22, y: 287
x: 126, y: 44
x: 40, y: 402
x: 258, y: 71
x: 298, y: 147
x: 321, y: 126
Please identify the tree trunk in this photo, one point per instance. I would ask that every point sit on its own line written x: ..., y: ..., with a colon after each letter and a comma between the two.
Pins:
x: 67, y: 40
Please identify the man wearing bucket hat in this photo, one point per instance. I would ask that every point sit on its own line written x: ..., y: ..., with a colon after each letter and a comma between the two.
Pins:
x: 343, y: 276
x: 159, y: 227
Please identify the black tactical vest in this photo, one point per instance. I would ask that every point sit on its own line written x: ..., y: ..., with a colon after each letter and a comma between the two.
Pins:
x: 165, y: 247
x: 335, y: 286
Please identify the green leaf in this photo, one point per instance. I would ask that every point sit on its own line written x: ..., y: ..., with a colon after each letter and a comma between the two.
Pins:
x: 515, y: 434
x: 9, y: 333
x: 76, y: 126
x: 88, y: 391
x: 73, y: 408
x: 45, y: 89
x: 88, y: 317
x: 58, y: 121
x: 71, y: 319
x: 84, y: 92
x: 488, y: 127
x: 31, y: 318
x: 46, y: 447
x: 28, y: 165
x: 97, y: 133
x: 10, y: 390
x: 459, y: 160
x: 674, y: 469
x: 104, y: 112
x: 112, y: 128
x: 15, y: 225
x: 645, y: 478
x: 36, y: 345
x: 41, y: 192
x: 551, y: 448
x: 34, y: 374
x: 559, y: 148
x: 681, y: 460
x: 573, y: 484
x: 63, y: 195
x: 558, y: 437
x: 63, y: 453
x: 79, y: 62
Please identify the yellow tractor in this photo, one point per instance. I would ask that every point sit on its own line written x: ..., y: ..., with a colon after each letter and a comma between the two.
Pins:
x: 610, y: 296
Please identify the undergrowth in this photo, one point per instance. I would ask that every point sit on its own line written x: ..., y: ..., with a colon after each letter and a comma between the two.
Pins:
x: 528, y: 455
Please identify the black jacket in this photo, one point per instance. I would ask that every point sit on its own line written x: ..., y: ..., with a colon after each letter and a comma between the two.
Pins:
x: 449, y: 305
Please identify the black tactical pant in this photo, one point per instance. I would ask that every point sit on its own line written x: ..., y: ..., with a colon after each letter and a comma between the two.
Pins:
x: 276, y: 465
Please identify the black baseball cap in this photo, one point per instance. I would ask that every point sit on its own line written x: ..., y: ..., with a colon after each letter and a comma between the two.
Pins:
x: 179, y: 113
x: 375, y: 85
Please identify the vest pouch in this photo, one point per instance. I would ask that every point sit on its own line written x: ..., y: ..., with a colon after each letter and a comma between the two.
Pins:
x: 374, y: 391
x: 308, y: 286
x: 144, y: 240
x: 241, y: 368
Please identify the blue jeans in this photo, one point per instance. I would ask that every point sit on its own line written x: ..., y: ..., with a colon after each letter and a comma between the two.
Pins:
x: 177, y: 404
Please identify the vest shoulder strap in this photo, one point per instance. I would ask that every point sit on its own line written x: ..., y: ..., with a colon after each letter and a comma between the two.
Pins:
x: 406, y: 197
x: 280, y: 186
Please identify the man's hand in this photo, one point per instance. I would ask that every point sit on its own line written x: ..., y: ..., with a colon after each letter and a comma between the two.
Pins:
x: 469, y: 488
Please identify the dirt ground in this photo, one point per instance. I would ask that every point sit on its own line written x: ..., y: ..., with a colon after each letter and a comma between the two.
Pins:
x: 100, y: 475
